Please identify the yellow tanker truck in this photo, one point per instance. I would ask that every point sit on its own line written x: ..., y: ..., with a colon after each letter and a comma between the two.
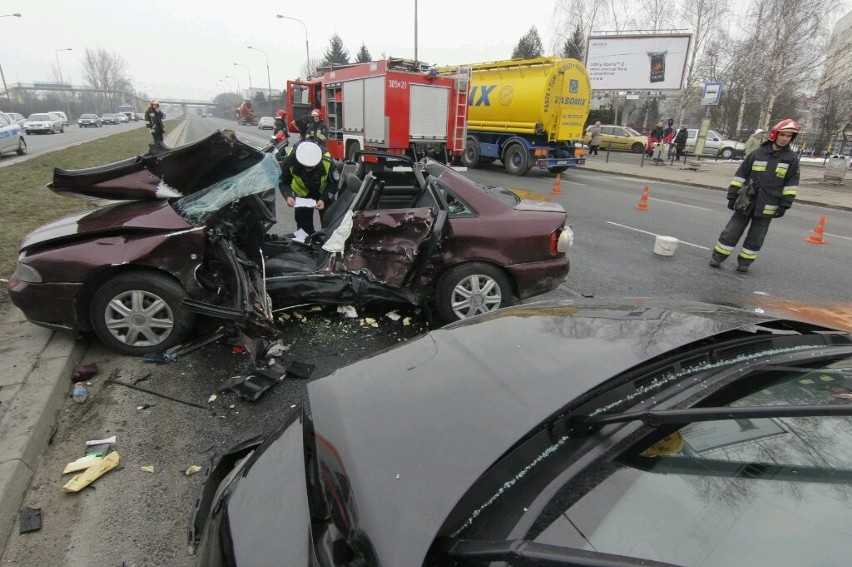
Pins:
x: 527, y: 112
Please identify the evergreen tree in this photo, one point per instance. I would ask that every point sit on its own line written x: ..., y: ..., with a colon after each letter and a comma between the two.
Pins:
x: 529, y: 46
x: 363, y: 55
x: 574, y: 46
x: 336, y: 54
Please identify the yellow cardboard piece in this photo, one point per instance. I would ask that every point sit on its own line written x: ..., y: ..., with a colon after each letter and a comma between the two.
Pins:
x: 91, y: 474
x: 192, y: 470
x: 82, y: 464
x: 148, y: 468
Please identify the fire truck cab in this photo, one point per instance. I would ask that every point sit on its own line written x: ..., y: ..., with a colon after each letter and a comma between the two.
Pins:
x: 393, y: 105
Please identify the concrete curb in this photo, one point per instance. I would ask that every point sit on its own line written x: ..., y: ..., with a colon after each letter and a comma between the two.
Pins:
x: 39, y: 386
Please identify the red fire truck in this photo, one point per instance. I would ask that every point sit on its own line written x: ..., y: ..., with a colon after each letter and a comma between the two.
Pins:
x: 393, y: 105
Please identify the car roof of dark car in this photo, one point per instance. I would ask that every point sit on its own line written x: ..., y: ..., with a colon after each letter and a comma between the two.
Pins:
x: 488, y: 382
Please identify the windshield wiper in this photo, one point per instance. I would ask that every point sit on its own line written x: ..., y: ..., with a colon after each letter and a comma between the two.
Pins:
x: 655, y: 418
x: 522, y: 552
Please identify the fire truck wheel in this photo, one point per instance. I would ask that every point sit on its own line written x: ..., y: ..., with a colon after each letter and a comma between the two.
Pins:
x: 516, y: 160
x: 470, y: 157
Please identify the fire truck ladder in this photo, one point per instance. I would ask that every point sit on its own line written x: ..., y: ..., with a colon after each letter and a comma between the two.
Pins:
x: 460, y: 125
x: 556, y: 114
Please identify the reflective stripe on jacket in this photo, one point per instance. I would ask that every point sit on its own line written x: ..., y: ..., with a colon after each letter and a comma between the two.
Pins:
x: 774, y: 176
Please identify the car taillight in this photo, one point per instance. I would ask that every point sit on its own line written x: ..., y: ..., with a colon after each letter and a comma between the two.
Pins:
x: 561, y: 239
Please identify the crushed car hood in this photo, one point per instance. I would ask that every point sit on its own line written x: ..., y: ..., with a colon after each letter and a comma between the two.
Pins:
x: 412, y: 429
x: 126, y: 218
x: 172, y: 172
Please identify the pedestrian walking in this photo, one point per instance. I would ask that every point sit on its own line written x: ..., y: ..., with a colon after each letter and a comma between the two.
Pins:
x: 763, y: 188
x: 680, y: 143
x: 595, y: 141
x: 754, y: 141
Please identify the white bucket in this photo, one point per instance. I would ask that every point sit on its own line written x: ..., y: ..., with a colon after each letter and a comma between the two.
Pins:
x: 665, y: 245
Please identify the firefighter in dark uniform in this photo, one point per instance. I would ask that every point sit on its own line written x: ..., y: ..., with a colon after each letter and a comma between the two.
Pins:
x: 308, y: 171
x: 317, y: 130
x: 280, y: 122
x: 763, y: 188
x: 154, y: 118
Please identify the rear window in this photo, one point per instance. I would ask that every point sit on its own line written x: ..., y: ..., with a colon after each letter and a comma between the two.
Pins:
x: 506, y: 196
x: 39, y: 117
x: 89, y: 116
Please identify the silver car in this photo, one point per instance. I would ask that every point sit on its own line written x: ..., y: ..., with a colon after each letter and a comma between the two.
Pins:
x: 43, y: 122
x: 715, y: 145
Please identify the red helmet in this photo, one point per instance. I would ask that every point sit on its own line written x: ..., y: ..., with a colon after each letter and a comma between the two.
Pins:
x: 787, y: 125
x: 153, y: 102
x: 281, y: 113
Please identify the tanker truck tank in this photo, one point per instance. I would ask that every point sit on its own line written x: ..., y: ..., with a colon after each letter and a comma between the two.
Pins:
x: 527, y: 112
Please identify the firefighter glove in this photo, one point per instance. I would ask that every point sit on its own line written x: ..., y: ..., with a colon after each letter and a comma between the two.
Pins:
x: 780, y: 212
x: 731, y: 204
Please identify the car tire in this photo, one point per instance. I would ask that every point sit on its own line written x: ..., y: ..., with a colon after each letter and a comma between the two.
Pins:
x: 22, y: 147
x: 470, y: 289
x: 471, y: 154
x: 153, y: 301
x: 516, y: 160
x: 637, y: 148
x: 27, y: 132
x: 727, y: 153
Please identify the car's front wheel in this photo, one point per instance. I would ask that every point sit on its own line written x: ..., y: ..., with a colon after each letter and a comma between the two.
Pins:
x: 637, y: 148
x: 470, y: 289
x: 22, y: 147
x: 727, y: 153
x: 139, y: 312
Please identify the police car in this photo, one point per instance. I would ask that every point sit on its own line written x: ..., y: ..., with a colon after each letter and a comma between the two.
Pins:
x: 11, y: 136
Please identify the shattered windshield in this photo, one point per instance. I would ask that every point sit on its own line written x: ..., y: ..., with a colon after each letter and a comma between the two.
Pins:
x: 261, y: 177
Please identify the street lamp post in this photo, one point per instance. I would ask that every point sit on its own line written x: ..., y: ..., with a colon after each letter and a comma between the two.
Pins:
x: 239, y: 88
x: 249, y: 73
x: 62, y: 81
x: 268, y: 79
x: 307, y: 49
x: 2, y: 75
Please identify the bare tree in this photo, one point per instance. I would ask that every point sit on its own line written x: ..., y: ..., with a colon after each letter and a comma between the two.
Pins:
x: 105, y: 72
x: 658, y: 15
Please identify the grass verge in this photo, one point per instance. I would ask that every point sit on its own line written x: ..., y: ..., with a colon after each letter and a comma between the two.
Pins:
x: 27, y: 203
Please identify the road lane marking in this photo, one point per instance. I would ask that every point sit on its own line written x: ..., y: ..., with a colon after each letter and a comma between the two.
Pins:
x: 624, y: 226
x: 681, y: 204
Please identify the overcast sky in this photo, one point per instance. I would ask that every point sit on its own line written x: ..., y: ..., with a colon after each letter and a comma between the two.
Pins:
x: 183, y: 48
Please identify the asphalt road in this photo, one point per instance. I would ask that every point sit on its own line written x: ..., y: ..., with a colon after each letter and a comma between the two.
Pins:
x: 138, y: 518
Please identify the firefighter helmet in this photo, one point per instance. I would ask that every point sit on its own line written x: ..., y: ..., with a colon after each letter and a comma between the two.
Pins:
x: 787, y: 125
x: 154, y: 102
x: 281, y: 113
x: 308, y: 154
x: 315, y: 112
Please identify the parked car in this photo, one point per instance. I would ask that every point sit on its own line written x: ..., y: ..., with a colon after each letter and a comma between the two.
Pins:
x: 715, y: 145
x: 11, y: 136
x: 197, y: 217
x: 61, y: 115
x: 621, y: 138
x: 266, y: 123
x: 87, y: 120
x: 43, y: 122
x: 574, y: 432
x: 110, y: 118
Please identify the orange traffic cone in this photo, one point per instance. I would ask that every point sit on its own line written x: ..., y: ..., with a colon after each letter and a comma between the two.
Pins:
x: 643, y: 200
x: 556, y: 190
x: 819, y: 230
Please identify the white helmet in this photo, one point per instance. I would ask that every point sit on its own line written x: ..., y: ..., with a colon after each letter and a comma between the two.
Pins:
x: 308, y: 154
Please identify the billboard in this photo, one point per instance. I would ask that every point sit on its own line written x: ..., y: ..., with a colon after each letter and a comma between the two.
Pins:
x: 637, y: 62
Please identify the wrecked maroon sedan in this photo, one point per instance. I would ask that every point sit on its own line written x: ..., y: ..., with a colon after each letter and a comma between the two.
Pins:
x: 190, y: 238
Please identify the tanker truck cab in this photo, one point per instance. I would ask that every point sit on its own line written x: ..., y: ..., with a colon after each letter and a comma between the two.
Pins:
x: 527, y: 113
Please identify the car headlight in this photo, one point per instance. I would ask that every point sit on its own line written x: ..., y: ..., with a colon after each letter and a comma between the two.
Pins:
x: 28, y: 274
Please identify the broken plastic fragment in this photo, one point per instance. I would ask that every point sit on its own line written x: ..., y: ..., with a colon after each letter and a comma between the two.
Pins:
x: 212, y: 398
x: 192, y: 470
x: 107, y: 441
x: 91, y: 474
x: 406, y: 322
x: 393, y: 316
x: 147, y: 468
x: 348, y: 311
x: 29, y: 520
x: 370, y: 321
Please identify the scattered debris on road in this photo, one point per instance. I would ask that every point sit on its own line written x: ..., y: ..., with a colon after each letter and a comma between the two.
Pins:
x: 29, y: 520
x: 91, y: 474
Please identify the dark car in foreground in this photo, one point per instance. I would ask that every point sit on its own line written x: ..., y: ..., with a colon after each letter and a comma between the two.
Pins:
x: 189, y: 238
x: 590, y: 432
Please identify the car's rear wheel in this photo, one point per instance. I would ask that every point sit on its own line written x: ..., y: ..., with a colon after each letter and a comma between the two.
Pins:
x: 516, y: 160
x: 727, y: 153
x: 139, y: 312
x: 470, y: 289
x: 22, y: 147
x: 471, y: 155
x: 637, y: 148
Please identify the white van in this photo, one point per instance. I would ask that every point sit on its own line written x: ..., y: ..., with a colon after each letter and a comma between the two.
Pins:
x: 61, y: 115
